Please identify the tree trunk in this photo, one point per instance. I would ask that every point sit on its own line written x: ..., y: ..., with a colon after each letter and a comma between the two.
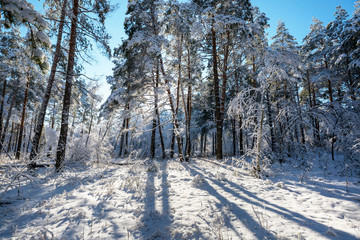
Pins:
x: 60, y: 153
x: 205, y: 142
x: 122, y: 137
x: 224, y: 76
x: 311, y: 103
x: 172, y: 146
x: 161, y: 137
x: 302, y: 128
x: 174, y: 116
x: 45, y: 100
x: 188, y: 122
x: 218, y: 121
x: 257, y: 168
x: 233, y: 129
x: 126, y: 149
x: 350, y: 81
x: 18, y: 150
x: 271, y: 125
x: 9, y: 116
x: 30, y: 132
x: 153, y: 132
x: 180, y: 85
x: 13, y: 148
x: 317, y: 123
x: 90, y: 126
x: 201, y: 144
x: 213, y: 144
x: 241, y: 137
x: 189, y: 108
x: 254, y: 85
x: 10, y: 138
x: 2, y: 106
x: 329, y: 82
x: 53, y: 117
x: 153, y: 138
x: 157, y: 79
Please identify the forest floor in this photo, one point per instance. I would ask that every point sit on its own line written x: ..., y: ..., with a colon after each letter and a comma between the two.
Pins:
x: 203, y: 199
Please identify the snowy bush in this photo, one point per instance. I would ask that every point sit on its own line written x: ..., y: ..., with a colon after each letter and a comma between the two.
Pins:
x: 280, y: 185
x: 88, y: 147
x: 198, y: 181
x: 220, y: 176
x: 153, y: 168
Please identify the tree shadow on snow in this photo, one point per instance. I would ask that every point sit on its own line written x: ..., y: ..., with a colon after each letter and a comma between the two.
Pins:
x: 337, y: 192
x: 249, y: 197
x: 155, y: 223
x: 35, y: 196
x: 253, y: 226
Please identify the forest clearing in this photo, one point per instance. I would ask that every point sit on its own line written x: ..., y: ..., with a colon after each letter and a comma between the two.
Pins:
x: 167, y: 199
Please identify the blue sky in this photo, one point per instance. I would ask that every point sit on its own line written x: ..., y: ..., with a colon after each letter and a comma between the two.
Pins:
x: 297, y: 15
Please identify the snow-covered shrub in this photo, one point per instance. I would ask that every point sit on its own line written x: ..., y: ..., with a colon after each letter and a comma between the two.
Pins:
x: 133, y: 184
x: 44, y: 234
x: 153, y: 168
x: 220, y: 176
x: 13, y: 177
x: 198, y: 181
x: 51, y: 137
x: 280, y: 185
x: 86, y: 147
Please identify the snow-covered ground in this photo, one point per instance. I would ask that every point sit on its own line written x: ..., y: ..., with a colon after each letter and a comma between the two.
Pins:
x: 202, y: 199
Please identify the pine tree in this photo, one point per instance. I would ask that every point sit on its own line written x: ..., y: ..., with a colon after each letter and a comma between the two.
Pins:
x: 45, y: 100
x: 60, y: 152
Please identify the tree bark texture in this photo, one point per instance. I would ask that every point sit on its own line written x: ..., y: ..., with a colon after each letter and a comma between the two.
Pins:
x: 9, y: 116
x: 2, y: 106
x: 45, y: 100
x: 175, y: 120
x: 18, y: 150
x: 218, y: 121
x: 60, y: 152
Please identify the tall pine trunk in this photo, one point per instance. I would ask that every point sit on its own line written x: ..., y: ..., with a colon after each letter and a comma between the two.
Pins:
x: 7, y: 121
x: 157, y: 79
x: 330, y: 89
x: 174, y: 116
x: 233, y: 130
x: 122, y: 137
x: 90, y: 127
x: 45, y: 100
x: 18, y: 150
x: 257, y: 169
x: 189, y: 107
x: 30, y: 132
x: 127, y: 122
x: 218, y: 121
x: 60, y: 152
x: 241, y: 136
x: 10, y: 138
x: 188, y: 123
x: 270, y: 121
x: 153, y: 138
x: 2, y: 105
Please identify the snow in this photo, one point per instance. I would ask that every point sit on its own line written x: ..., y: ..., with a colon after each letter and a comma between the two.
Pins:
x: 11, y: 8
x: 43, y: 38
x: 39, y: 54
x: 24, y: 11
x: 203, y: 199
